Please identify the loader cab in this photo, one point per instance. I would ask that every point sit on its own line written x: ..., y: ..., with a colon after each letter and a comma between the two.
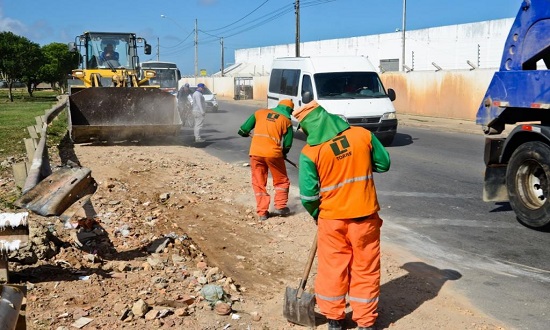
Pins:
x: 103, y: 50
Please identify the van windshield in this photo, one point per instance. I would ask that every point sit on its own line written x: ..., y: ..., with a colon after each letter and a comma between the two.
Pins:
x: 348, y: 85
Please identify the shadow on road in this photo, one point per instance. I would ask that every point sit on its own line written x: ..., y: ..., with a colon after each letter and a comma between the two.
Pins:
x: 402, y: 296
x: 401, y: 140
x: 502, y: 207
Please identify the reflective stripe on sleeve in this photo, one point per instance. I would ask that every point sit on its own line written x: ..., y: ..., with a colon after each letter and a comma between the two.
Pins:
x: 309, y: 198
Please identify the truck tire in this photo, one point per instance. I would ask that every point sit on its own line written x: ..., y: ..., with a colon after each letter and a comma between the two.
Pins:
x: 528, y: 183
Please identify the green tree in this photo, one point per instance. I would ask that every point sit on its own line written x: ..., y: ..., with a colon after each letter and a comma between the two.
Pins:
x: 59, y: 64
x: 18, y: 56
x: 34, y: 61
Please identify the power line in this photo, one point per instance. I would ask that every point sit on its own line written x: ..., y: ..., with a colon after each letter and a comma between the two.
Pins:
x: 181, y: 42
x: 261, y: 21
x: 237, y: 21
x: 182, y: 47
x: 271, y: 16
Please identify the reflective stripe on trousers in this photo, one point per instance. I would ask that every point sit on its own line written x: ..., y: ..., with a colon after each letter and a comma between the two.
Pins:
x: 348, y: 253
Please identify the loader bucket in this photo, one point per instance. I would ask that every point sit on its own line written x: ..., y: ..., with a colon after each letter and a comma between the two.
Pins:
x: 118, y: 113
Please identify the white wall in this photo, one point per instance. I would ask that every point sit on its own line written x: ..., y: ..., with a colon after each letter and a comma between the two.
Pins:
x: 454, y: 92
x: 448, y: 46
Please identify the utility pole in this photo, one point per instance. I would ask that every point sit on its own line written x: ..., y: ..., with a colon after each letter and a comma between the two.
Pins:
x: 196, y: 49
x: 158, y: 49
x: 221, y: 42
x: 297, y: 8
x: 403, y: 35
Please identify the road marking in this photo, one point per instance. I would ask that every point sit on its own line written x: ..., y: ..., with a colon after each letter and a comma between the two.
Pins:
x: 430, y: 249
x: 425, y: 195
x: 454, y: 222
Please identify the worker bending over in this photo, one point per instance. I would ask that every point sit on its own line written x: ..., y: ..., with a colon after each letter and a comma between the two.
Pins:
x: 272, y: 140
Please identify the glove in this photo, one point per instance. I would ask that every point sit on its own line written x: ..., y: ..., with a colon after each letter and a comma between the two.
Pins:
x: 285, y: 151
x: 315, y: 215
x: 243, y: 133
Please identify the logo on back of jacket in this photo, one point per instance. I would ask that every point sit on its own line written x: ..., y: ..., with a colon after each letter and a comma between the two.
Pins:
x: 272, y: 116
x: 340, y: 147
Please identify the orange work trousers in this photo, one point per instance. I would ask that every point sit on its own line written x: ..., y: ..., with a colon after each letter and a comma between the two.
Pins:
x: 348, y: 253
x: 260, y: 167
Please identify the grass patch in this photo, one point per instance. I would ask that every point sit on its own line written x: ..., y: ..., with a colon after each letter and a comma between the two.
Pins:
x: 16, y: 116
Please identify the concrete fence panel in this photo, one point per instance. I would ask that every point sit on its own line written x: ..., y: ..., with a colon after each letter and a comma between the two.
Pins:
x: 444, y: 94
x: 453, y: 94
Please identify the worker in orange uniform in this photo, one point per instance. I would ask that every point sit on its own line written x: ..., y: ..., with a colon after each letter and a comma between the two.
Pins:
x: 336, y: 187
x: 272, y: 140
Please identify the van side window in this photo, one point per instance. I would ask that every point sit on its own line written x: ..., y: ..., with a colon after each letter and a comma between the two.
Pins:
x: 306, y: 85
x: 284, y: 81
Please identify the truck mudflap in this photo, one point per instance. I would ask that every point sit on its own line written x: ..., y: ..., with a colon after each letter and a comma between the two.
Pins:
x: 113, y: 114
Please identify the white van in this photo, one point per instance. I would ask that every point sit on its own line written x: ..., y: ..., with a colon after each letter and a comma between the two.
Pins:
x: 347, y: 86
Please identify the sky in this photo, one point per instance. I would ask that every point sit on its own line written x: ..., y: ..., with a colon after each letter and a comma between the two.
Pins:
x: 169, y: 25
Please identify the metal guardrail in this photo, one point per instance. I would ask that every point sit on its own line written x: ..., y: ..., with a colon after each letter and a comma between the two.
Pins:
x: 40, y: 166
x: 15, y: 235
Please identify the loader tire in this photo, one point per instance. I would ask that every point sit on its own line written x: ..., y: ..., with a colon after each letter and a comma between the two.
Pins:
x: 528, y: 183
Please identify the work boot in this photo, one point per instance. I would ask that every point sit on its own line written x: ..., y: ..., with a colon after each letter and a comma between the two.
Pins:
x: 366, y: 328
x: 282, y: 212
x: 335, y: 325
x: 199, y: 140
x: 263, y: 217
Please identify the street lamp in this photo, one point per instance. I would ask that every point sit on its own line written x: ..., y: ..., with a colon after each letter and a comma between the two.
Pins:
x: 196, y: 42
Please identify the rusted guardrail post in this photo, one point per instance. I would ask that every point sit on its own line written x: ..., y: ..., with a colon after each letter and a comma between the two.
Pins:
x: 11, y: 298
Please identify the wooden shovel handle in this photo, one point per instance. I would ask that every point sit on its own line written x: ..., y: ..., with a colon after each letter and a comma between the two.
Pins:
x: 310, y: 259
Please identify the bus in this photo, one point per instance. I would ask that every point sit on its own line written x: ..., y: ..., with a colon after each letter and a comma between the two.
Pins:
x: 167, y: 77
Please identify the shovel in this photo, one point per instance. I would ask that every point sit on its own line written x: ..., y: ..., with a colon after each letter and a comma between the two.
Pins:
x: 299, y: 305
x: 291, y: 162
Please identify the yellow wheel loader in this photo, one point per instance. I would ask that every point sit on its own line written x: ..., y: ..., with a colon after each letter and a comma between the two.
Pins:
x: 110, y: 99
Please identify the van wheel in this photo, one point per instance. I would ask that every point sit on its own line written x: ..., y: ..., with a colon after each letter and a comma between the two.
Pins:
x: 528, y: 183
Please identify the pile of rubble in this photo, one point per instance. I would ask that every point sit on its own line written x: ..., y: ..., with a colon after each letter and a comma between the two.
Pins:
x: 129, y: 265
x: 165, y: 283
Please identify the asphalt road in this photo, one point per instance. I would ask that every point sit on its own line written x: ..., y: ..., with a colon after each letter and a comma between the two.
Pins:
x: 432, y: 207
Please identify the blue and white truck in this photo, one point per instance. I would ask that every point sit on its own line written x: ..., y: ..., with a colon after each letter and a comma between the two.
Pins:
x: 518, y: 164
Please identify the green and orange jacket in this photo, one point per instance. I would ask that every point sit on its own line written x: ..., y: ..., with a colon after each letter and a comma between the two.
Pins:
x: 273, y: 133
x: 336, y: 167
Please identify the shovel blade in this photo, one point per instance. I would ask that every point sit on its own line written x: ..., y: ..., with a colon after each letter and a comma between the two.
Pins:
x: 300, y: 311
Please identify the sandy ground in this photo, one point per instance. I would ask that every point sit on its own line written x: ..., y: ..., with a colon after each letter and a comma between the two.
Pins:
x: 107, y: 274
x: 172, y: 226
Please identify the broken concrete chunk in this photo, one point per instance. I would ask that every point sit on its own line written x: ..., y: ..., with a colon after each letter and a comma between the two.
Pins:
x: 81, y: 322
x: 151, y: 315
x: 164, y: 197
x: 222, y: 308
x: 139, y: 308
x: 158, y: 245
